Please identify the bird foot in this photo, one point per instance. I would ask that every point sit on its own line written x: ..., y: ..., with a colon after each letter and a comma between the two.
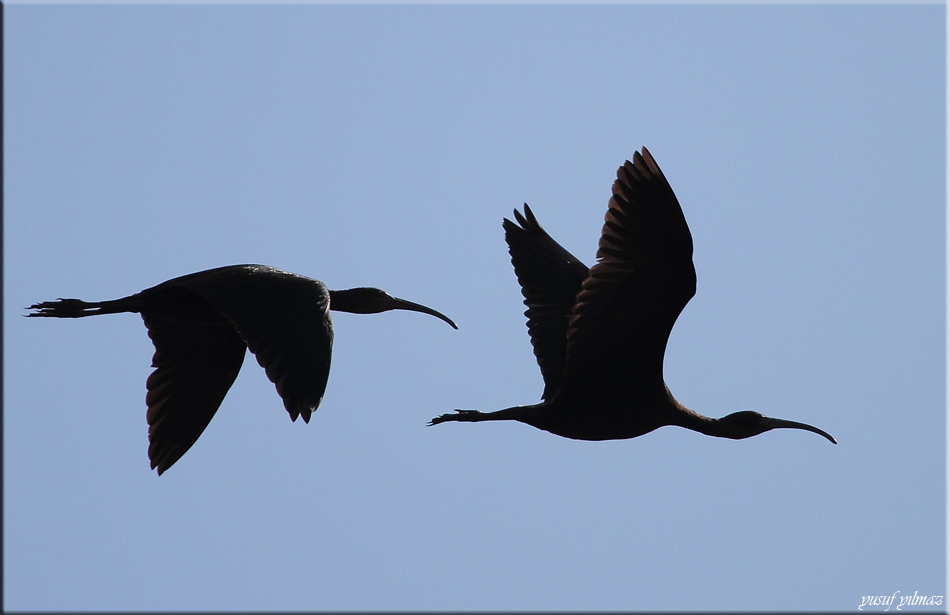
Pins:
x: 458, y: 416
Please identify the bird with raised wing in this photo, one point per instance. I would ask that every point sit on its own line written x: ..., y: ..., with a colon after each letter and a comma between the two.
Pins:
x: 201, y: 326
x: 600, y: 335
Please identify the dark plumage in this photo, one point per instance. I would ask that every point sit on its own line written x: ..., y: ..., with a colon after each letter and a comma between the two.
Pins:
x: 600, y: 335
x: 202, y: 323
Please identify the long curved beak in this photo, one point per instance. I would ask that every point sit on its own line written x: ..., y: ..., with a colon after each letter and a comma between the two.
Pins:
x: 783, y: 424
x: 402, y: 304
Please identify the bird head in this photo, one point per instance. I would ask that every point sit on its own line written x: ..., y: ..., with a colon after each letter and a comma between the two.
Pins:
x: 747, y: 423
x: 373, y: 301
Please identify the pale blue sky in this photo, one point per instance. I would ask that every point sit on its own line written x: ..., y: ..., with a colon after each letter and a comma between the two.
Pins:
x: 382, y: 146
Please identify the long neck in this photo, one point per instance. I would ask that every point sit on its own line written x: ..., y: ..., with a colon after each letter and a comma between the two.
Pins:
x: 684, y: 417
x: 681, y: 416
x: 356, y: 301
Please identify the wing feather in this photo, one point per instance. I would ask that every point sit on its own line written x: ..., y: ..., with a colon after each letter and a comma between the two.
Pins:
x: 550, y: 278
x: 283, y: 318
x: 643, y: 278
x: 195, y: 365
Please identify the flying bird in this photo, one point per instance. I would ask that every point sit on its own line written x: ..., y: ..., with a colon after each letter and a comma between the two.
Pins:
x: 201, y: 325
x: 600, y: 334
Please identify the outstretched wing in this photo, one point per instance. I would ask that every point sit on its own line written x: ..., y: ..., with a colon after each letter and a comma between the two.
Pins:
x: 643, y: 279
x: 283, y: 319
x: 195, y: 365
x: 550, y: 279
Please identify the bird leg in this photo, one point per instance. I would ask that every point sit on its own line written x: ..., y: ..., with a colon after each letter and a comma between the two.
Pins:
x: 76, y: 308
x: 525, y: 414
x: 460, y: 415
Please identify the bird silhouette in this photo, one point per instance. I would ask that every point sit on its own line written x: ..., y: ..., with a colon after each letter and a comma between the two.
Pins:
x: 201, y: 325
x: 599, y: 335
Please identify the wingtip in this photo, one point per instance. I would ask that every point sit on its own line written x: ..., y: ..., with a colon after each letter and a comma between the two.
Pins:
x: 520, y: 217
x: 299, y: 409
x: 510, y: 226
x: 647, y: 161
x: 155, y: 464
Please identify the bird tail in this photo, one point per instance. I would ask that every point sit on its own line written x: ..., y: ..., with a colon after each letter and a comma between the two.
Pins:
x: 75, y: 308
